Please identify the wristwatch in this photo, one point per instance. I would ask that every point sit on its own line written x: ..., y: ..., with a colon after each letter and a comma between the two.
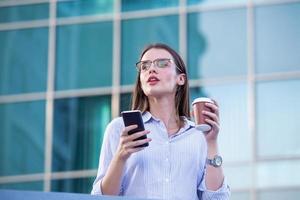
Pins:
x: 215, y: 162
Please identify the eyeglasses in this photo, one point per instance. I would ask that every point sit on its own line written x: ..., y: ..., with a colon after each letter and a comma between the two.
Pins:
x: 144, y: 65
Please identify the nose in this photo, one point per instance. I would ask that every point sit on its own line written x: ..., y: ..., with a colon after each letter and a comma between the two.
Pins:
x: 152, y: 68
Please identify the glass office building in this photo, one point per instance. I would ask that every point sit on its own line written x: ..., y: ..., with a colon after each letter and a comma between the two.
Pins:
x: 68, y: 67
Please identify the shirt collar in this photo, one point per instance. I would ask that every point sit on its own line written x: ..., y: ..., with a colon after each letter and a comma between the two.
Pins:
x: 147, y: 116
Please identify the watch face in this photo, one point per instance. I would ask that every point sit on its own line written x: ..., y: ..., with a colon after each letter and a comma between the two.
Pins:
x: 218, y: 161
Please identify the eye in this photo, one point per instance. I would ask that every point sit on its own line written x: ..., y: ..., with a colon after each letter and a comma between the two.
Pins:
x: 145, y: 65
x: 162, y: 63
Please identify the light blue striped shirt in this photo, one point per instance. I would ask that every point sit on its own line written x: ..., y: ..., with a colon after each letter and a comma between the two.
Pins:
x: 169, y: 168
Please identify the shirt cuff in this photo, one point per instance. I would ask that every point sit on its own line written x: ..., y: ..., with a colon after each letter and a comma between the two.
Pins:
x: 223, y: 193
x: 97, y: 188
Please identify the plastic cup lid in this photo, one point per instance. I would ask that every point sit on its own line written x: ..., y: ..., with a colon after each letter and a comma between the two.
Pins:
x: 202, y: 99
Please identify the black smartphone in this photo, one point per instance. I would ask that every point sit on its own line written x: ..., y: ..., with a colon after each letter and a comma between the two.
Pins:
x: 134, y: 117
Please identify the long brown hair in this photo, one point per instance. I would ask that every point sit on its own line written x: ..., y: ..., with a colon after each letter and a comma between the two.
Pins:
x: 140, y: 101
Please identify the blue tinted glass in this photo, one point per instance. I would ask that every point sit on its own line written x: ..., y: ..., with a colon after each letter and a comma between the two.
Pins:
x: 234, y: 136
x: 278, y: 108
x: 23, y: 60
x: 84, y: 56
x: 238, y: 177
x: 281, y: 194
x: 240, y: 196
x: 83, y: 7
x: 24, y: 13
x: 215, y: 2
x: 125, y: 102
x: 79, y: 124
x: 277, y: 38
x: 217, y: 44
x: 129, y: 5
x: 37, y: 185
x: 78, y: 185
x: 138, y: 33
x: 279, y: 174
x: 22, y: 130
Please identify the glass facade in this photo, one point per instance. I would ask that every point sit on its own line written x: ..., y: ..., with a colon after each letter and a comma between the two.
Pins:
x: 57, y: 83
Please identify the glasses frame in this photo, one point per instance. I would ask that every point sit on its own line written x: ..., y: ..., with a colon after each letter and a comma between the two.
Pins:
x: 138, y: 64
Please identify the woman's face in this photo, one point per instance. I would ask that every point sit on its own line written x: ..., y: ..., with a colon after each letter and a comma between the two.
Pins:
x: 157, y: 81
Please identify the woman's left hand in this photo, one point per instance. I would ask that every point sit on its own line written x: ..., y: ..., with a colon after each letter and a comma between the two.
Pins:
x: 212, y: 135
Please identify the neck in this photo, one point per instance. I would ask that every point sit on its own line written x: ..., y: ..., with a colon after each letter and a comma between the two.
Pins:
x: 164, y: 109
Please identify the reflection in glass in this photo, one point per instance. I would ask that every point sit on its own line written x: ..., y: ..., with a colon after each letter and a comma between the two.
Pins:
x: 131, y: 5
x: 240, y: 196
x: 36, y: 185
x: 215, y: 2
x: 278, y: 174
x: 78, y: 185
x: 217, y: 44
x: 24, y: 13
x: 278, y: 108
x: 277, y: 38
x: 83, y: 7
x: 234, y: 138
x: 239, y: 177
x: 84, y: 56
x: 125, y: 102
x: 23, y: 70
x: 22, y: 130
x: 134, y: 39
x: 281, y: 194
x: 79, y: 124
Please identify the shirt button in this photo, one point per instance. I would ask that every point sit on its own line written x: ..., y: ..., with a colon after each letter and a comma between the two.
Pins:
x: 167, y: 142
x: 167, y: 180
x: 167, y: 159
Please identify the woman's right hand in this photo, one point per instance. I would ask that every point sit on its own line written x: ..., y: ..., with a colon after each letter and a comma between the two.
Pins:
x: 127, y: 145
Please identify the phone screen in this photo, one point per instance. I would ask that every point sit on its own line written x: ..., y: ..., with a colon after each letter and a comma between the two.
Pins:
x: 134, y: 117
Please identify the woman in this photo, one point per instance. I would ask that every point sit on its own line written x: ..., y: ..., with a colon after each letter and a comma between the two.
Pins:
x: 174, y: 165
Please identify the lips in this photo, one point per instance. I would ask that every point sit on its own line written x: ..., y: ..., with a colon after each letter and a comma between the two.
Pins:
x: 152, y: 79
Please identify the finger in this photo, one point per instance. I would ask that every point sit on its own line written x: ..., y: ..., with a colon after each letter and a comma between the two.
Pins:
x: 128, y: 128
x: 213, y: 124
x: 137, y: 135
x: 214, y: 107
x: 133, y: 150
x: 136, y: 143
x: 211, y: 115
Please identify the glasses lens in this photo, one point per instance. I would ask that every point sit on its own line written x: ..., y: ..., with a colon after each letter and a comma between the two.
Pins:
x: 162, y: 63
x: 144, y: 65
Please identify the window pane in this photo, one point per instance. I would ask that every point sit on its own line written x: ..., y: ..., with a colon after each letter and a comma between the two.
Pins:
x: 238, y: 177
x: 130, y: 5
x: 79, y: 124
x: 215, y: 2
x: 19, y: 72
x: 37, y: 185
x: 277, y: 38
x: 217, y: 44
x: 125, y: 102
x: 240, y: 196
x: 24, y: 13
x: 77, y: 185
x: 278, y: 174
x: 279, y: 194
x: 278, y: 108
x: 146, y: 31
x: 84, y: 56
x: 83, y: 7
x: 234, y: 138
x: 22, y: 130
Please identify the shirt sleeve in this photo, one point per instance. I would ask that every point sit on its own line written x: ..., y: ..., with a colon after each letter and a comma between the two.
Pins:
x: 109, y: 146
x: 223, y: 193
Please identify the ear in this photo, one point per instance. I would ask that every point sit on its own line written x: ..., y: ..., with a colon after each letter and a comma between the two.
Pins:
x: 181, y: 79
